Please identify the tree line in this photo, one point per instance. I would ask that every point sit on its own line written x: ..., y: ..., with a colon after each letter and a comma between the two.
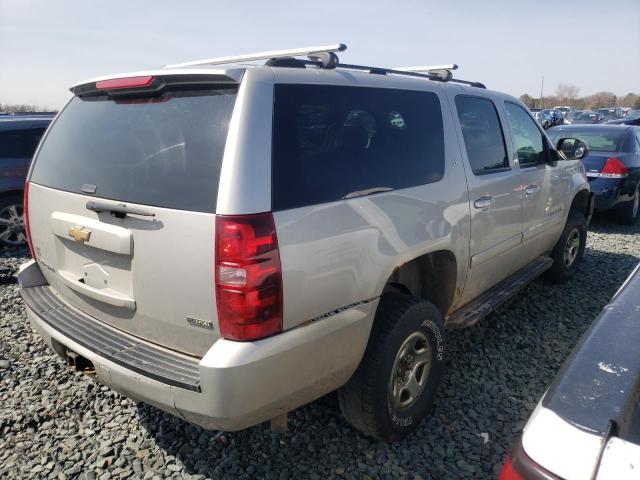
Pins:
x: 569, y: 95
x: 23, y: 108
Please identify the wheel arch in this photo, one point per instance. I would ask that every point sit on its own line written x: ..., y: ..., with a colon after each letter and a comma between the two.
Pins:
x: 432, y: 276
x: 581, y: 203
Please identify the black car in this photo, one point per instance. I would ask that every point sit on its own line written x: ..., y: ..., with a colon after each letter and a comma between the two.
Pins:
x: 633, y: 118
x: 19, y: 137
x: 585, y: 117
x: 612, y: 165
x: 587, y: 425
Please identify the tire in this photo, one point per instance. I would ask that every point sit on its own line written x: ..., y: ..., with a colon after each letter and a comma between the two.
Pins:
x: 11, y: 221
x: 382, y: 405
x: 573, y: 242
x: 628, y: 212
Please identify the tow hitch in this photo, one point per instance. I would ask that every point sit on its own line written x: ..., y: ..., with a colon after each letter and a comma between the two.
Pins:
x: 78, y: 363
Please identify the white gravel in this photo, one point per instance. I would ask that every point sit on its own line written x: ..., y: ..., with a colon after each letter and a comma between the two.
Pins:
x: 58, y: 425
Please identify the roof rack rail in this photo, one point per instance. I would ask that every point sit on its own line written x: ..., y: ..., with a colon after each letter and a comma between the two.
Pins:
x: 325, y: 57
x: 295, y: 52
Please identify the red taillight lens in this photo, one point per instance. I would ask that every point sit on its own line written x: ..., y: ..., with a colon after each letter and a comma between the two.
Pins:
x: 508, y: 472
x: 25, y: 219
x: 614, y: 168
x: 127, y: 82
x: 248, y: 276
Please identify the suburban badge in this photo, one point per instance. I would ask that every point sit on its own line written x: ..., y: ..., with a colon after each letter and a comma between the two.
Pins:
x: 199, y: 323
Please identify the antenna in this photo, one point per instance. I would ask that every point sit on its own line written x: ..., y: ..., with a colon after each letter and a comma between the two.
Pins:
x: 315, y: 52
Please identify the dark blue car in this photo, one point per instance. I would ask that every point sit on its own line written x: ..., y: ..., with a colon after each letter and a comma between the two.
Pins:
x: 19, y: 137
x: 612, y: 165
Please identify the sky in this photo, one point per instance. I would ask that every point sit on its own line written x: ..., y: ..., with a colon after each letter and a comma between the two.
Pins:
x: 46, y: 46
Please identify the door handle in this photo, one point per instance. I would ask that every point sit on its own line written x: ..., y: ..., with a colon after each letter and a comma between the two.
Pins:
x: 484, y: 202
x: 532, y: 189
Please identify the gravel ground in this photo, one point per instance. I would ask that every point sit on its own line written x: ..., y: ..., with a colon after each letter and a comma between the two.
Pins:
x: 57, y: 425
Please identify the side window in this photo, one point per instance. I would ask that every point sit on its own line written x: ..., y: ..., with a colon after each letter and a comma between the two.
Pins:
x: 19, y: 143
x: 527, y: 138
x: 483, y: 137
x: 11, y: 144
x: 333, y: 142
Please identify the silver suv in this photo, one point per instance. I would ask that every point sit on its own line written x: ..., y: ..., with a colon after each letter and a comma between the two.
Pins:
x: 230, y: 244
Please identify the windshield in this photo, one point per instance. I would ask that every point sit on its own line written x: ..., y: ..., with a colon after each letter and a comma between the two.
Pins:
x: 633, y: 115
x: 584, y: 116
x: 596, y: 140
x: 164, y: 151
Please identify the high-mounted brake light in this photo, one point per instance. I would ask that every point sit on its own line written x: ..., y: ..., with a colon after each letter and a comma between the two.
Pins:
x: 248, y: 276
x: 25, y: 218
x: 614, y: 168
x: 127, y: 82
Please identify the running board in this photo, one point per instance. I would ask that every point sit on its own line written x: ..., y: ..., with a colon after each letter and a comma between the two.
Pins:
x: 491, y: 299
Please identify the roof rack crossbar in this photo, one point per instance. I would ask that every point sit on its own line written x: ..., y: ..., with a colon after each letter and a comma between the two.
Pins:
x: 295, y: 52
x: 324, y: 57
x: 451, y: 66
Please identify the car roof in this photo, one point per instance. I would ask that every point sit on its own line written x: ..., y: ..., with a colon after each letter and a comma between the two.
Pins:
x: 21, y: 122
x: 598, y: 126
x: 310, y: 75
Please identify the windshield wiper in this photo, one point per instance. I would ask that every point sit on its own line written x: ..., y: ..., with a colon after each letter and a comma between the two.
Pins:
x: 369, y: 191
x: 119, y: 210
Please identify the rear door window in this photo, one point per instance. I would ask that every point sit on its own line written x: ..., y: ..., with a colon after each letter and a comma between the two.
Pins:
x: 20, y: 143
x: 164, y: 151
x: 482, y: 133
x: 333, y: 142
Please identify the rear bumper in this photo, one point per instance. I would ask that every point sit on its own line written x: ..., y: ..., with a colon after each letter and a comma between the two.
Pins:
x: 234, y: 386
x: 608, y: 192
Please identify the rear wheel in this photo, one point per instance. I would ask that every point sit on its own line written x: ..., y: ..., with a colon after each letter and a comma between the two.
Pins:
x: 569, y: 251
x: 628, y: 213
x: 11, y: 221
x: 393, y: 388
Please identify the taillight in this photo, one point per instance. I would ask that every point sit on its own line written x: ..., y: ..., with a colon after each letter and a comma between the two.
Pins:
x: 519, y: 466
x: 127, y: 82
x: 248, y: 276
x: 614, y: 168
x: 25, y: 219
x: 508, y: 472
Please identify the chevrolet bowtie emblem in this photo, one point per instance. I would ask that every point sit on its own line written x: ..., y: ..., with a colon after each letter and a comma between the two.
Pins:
x: 79, y: 234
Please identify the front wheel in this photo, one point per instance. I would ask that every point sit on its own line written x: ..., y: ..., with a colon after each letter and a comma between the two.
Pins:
x: 393, y: 388
x: 569, y: 251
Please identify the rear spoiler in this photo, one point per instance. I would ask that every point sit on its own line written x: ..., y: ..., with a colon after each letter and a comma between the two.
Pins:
x: 599, y: 384
x: 157, y: 80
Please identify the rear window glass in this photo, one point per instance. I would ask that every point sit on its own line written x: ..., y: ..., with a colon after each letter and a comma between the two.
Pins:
x: 332, y: 142
x: 597, y: 141
x: 164, y: 151
x: 20, y: 143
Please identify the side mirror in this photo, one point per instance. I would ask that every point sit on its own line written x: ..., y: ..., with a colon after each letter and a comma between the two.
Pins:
x: 571, y: 149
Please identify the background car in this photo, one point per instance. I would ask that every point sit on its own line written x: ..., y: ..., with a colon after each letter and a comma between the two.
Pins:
x: 542, y: 119
x: 583, y: 117
x: 610, y: 113
x: 567, y: 113
x: 19, y: 137
x: 556, y: 118
x: 587, y: 425
x: 632, y: 118
x: 612, y: 165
